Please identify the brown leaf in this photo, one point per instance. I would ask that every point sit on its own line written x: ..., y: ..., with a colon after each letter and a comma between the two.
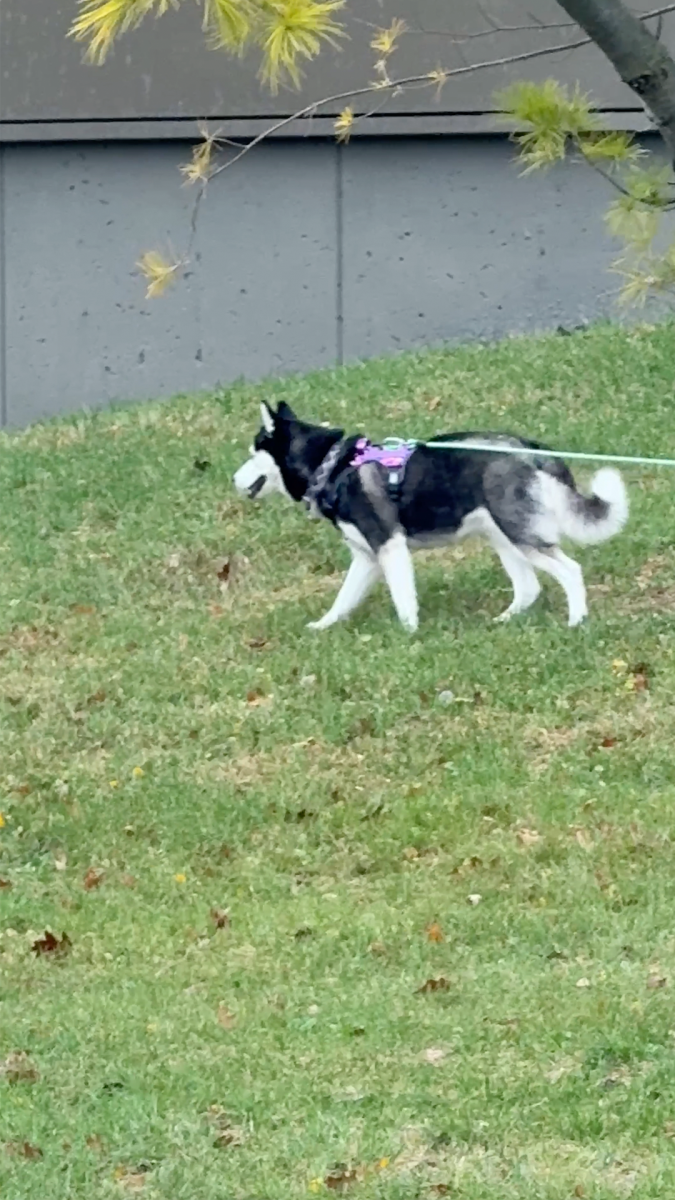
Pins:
x: 579, y: 1191
x: 18, y: 1068
x: 93, y: 879
x: 256, y: 643
x: 434, y: 403
x: 220, y: 918
x: 255, y: 698
x: 230, y: 1137
x: 434, y: 932
x: 49, y: 944
x: 341, y: 1177
x: 608, y: 743
x: 23, y: 1150
x: 5, y: 884
x: 97, y: 697
x: 131, y: 1181
x: 411, y: 853
x: 95, y: 1143
x: 24, y: 789
x: 440, y: 1189
x: 129, y: 881
x: 226, y: 1018
x: 216, y: 610
x: 656, y: 981
x: 584, y: 839
x: 223, y: 572
x: 84, y: 610
x: 528, y: 837
x: 377, y: 948
x: 434, y: 985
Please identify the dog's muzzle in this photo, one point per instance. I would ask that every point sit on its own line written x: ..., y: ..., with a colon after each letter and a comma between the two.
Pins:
x: 257, y: 486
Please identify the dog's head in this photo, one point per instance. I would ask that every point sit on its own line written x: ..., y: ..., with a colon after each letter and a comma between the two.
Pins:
x: 261, y: 475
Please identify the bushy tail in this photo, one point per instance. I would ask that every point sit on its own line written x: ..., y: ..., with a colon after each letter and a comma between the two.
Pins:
x: 594, y: 518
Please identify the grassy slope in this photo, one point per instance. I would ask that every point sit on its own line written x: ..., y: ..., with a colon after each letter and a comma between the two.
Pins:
x: 336, y: 813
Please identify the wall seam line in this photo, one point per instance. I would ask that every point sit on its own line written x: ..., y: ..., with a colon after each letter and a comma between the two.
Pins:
x: 3, y: 295
x: 339, y: 254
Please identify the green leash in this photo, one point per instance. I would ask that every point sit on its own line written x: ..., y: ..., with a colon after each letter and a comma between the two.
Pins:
x: 394, y: 443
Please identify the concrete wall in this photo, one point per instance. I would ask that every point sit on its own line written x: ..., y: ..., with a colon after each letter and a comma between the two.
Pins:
x: 307, y: 254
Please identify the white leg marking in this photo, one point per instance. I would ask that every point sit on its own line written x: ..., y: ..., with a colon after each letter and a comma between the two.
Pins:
x: 568, y: 574
x: 397, y: 568
x: 362, y: 574
x: 525, y: 583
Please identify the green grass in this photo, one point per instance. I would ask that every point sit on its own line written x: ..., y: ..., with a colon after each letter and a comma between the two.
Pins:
x: 316, y: 788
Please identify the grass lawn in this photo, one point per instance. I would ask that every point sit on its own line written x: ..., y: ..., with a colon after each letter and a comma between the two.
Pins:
x: 447, y: 966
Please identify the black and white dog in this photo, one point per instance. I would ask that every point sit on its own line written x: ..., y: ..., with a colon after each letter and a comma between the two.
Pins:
x: 523, y: 506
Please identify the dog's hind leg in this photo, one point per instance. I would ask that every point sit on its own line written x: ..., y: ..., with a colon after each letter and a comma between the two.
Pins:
x: 362, y: 574
x: 568, y: 574
x: 397, y: 567
x: 525, y: 583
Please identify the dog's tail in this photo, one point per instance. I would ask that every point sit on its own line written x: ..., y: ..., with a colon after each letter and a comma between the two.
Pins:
x: 595, y: 518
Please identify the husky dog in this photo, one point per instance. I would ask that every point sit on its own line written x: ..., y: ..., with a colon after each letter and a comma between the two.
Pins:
x: 387, y: 504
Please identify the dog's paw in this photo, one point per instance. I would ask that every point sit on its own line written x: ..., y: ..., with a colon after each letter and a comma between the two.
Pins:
x: 318, y: 626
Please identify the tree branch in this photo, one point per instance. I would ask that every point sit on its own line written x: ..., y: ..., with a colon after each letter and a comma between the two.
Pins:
x: 641, y: 60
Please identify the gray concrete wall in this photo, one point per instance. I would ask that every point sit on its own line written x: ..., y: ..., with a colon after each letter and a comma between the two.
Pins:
x: 307, y: 254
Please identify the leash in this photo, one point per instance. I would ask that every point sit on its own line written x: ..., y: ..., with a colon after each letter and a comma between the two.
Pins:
x: 394, y: 443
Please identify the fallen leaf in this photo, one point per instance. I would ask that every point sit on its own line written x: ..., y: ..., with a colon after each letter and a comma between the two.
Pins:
x: 97, y: 697
x: 49, y: 944
x: 131, y: 1181
x: 433, y: 403
x: 95, y: 1143
x: 220, y: 918
x: 230, y: 1137
x: 434, y: 1056
x: 410, y: 853
x: 61, y: 860
x: 223, y: 572
x: 201, y: 464
x: 128, y: 881
x: 434, y: 932
x: 608, y: 743
x: 216, y: 610
x: 583, y: 983
x: 434, y: 985
x: 579, y: 1191
x: 23, y: 1150
x: 340, y: 1178
x: 255, y: 698
x: 377, y: 948
x: 226, y: 1018
x: 474, y: 899
x: 656, y: 981
x: 528, y: 837
x: 138, y: 772
x: 5, y: 884
x: 93, y: 879
x: 85, y: 610
x: 256, y: 643
x: 584, y: 839
x: 18, y: 1068
x: 24, y: 789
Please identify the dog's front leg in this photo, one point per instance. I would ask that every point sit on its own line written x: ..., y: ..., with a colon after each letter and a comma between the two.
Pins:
x: 362, y: 574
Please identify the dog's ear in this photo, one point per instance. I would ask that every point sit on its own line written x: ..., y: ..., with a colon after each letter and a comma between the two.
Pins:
x: 286, y: 412
x: 267, y: 418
